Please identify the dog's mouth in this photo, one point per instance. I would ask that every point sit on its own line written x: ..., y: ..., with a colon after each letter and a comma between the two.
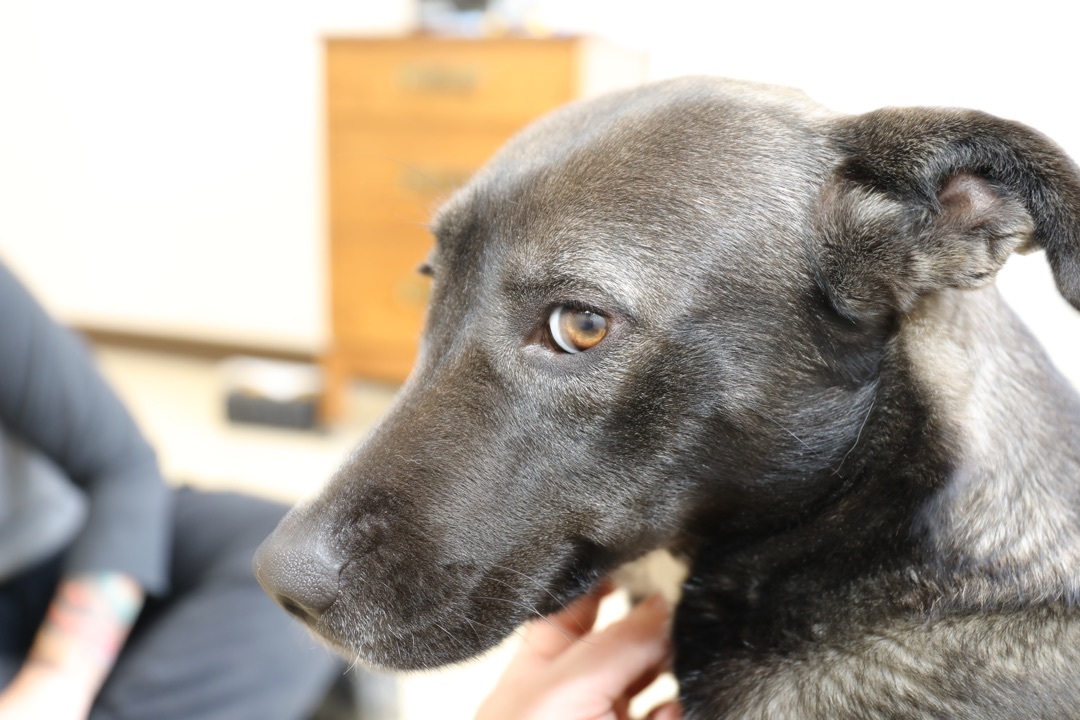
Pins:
x: 397, y: 620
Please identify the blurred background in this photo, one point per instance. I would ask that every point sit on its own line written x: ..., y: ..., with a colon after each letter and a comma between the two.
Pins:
x: 193, y: 182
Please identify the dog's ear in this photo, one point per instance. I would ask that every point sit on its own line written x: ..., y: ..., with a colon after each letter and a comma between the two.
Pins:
x: 927, y: 199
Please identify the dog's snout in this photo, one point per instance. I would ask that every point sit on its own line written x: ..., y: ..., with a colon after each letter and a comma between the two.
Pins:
x: 299, y: 571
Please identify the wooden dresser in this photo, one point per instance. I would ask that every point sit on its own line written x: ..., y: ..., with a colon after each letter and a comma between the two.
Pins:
x: 409, y: 120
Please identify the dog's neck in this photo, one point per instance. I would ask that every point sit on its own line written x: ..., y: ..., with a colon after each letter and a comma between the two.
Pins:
x: 960, y: 497
x: 1007, y: 516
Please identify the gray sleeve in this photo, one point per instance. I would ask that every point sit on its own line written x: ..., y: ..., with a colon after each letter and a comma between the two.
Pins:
x: 52, y: 396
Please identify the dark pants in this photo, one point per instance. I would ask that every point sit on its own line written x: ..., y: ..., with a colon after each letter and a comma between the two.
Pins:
x: 215, y: 648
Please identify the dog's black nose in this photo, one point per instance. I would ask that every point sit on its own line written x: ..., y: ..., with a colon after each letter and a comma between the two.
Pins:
x: 298, y: 570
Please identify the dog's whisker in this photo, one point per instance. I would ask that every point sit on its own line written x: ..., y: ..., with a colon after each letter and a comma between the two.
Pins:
x: 805, y: 444
x: 531, y: 609
x: 858, y: 436
x: 498, y: 631
x: 472, y: 626
x: 531, y: 579
x: 778, y: 424
x: 451, y: 635
x: 473, y: 621
x: 520, y: 631
x: 511, y: 587
x: 517, y: 603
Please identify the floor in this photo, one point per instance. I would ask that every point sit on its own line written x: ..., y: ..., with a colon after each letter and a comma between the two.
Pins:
x: 179, y: 403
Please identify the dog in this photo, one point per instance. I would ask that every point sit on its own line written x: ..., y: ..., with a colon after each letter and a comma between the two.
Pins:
x: 715, y: 317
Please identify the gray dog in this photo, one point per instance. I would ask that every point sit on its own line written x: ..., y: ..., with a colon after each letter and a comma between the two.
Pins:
x: 717, y: 318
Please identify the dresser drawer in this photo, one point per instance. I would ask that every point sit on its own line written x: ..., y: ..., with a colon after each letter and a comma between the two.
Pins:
x: 401, y: 176
x: 379, y: 297
x: 493, y: 84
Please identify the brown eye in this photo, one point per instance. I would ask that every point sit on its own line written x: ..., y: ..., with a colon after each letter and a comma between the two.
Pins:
x: 576, y: 330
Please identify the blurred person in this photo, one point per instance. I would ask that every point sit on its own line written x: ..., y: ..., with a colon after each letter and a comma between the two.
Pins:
x: 565, y: 670
x: 121, y: 597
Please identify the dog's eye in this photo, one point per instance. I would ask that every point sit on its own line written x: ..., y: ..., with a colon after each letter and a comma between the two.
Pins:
x: 576, y: 330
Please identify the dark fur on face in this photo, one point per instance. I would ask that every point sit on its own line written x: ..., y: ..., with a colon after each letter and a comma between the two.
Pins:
x: 808, y: 388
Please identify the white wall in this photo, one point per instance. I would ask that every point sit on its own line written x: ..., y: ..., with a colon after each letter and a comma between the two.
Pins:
x: 160, y: 162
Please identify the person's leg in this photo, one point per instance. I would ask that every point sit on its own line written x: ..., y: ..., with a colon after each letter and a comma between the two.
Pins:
x: 217, y: 646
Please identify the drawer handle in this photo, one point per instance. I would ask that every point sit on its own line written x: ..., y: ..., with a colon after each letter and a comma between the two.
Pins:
x: 440, y: 79
x: 437, y: 182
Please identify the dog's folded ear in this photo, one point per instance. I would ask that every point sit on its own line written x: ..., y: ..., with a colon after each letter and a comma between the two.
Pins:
x: 928, y: 199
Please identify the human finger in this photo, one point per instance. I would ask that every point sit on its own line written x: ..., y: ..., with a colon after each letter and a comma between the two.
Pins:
x: 528, y: 674
x: 614, y: 659
x: 647, y: 678
x: 546, y: 638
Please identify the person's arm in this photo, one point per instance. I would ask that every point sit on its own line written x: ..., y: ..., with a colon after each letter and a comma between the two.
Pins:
x: 52, y: 397
x: 75, y: 647
x: 566, y: 671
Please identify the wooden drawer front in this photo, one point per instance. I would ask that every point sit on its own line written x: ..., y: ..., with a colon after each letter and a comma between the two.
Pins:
x: 479, y: 84
x: 388, y: 363
x: 401, y: 177
x: 379, y: 297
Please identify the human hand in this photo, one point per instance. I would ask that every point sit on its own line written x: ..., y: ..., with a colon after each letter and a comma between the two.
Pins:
x: 75, y: 647
x: 565, y: 671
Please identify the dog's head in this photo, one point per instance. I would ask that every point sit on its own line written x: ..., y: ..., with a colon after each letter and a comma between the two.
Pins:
x: 656, y: 318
